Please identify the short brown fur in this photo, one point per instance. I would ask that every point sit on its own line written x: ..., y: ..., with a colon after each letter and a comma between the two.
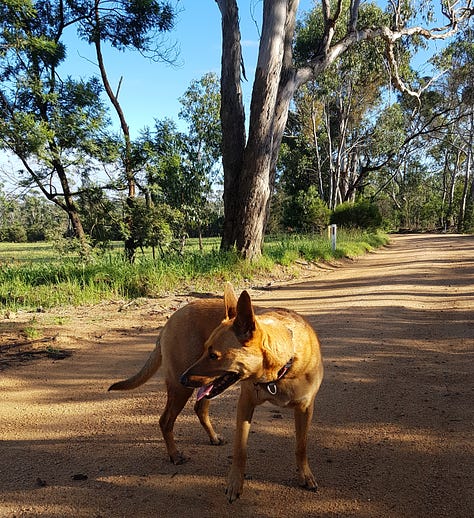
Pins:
x: 257, y: 346
x: 179, y: 345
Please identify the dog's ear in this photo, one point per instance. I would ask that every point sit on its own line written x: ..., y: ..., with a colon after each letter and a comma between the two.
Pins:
x: 230, y: 301
x: 244, y: 323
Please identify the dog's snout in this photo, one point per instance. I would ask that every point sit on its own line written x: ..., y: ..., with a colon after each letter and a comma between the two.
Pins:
x: 188, y: 380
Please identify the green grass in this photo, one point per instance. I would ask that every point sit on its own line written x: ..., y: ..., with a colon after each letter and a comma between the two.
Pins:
x: 33, y: 275
x: 11, y: 253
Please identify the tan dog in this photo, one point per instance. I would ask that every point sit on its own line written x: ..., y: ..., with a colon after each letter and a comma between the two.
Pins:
x: 276, y: 355
x: 180, y: 344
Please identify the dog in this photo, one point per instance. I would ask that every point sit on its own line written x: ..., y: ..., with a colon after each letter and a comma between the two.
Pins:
x: 276, y: 356
x: 179, y: 345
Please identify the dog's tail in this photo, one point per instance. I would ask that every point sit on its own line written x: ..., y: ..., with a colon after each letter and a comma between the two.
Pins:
x: 151, y: 366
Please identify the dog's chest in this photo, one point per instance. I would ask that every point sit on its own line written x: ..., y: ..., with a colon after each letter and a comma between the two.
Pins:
x: 282, y: 393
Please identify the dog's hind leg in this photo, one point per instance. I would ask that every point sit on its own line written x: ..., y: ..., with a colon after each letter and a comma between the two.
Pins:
x: 303, y: 418
x: 201, y: 408
x: 177, y: 396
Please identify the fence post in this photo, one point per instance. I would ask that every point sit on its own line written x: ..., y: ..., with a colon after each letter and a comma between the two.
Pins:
x: 332, y: 234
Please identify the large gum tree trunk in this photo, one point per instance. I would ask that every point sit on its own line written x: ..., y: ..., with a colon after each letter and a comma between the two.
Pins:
x: 232, y: 119
x: 255, y: 184
x: 248, y: 169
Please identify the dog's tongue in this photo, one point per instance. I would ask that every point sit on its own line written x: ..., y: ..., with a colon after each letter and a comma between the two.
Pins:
x: 203, y: 391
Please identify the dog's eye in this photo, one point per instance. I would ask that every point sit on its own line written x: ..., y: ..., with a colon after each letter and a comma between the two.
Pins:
x: 213, y: 356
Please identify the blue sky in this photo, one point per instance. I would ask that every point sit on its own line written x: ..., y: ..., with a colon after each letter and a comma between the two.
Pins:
x: 152, y: 90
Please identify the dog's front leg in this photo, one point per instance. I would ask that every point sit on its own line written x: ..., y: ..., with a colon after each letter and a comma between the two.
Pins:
x: 245, y: 409
x: 303, y: 418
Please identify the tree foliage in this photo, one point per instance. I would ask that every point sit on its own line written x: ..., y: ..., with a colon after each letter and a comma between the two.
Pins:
x: 250, y: 162
x: 52, y: 125
x: 57, y: 126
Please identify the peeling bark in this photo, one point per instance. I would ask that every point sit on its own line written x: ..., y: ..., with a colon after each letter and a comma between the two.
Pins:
x: 249, y: 166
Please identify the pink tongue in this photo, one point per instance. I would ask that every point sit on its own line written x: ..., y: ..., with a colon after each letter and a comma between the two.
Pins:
x: 203, y: 392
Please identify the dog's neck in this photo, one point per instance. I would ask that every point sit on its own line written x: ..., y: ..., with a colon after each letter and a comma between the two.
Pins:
x: 275, y: 352
x: 271, y: 386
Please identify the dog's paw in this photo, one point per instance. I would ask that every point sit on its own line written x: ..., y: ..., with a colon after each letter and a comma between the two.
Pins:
x: 217, y: 440
x: 307, y: 481
x: 178, y: 458
x: 235, y: 486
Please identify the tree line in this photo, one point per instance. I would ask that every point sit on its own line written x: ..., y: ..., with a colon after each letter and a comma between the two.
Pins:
x: 338, y: 116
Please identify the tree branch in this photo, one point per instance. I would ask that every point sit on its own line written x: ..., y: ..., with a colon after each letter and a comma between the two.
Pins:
x: 327, y: 54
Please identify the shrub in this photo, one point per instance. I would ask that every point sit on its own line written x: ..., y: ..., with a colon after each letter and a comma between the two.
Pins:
x: 306, y: 212
x: 362, y: 214
x: 14, y: 234
x: 35, y: 233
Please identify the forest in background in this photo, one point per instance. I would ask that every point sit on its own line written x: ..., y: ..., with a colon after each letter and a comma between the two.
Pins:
x: 355, y: 150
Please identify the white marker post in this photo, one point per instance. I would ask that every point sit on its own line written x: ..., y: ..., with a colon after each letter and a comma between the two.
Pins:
x: 332, y: 231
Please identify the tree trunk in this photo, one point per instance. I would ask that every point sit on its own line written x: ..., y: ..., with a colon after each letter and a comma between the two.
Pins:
x: 255, y: 184
x: 130, y: 242
x: 468, y: 190
x: 249, y: 169
x: 232, y: 119
x: 65, y: 200
x: 70, y: 207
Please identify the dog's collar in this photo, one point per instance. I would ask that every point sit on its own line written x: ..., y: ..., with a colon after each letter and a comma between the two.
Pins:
x: 271, y: 386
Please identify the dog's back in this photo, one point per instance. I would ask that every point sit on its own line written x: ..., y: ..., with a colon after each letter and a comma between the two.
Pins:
x: 180, y: 342
x: 182, y: 338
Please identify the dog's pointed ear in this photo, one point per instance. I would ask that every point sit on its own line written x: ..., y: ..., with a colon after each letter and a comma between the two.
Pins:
x: 230, y: 301
x: 244, y: 324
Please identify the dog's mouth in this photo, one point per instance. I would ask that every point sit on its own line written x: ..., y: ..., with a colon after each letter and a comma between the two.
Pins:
x: 217, y: 386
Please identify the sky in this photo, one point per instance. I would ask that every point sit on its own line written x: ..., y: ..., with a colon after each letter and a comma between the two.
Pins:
x: 151, y: 90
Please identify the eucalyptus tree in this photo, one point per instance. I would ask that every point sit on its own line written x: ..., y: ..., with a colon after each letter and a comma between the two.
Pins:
x: 333, y: 113
x: 250, y: 161
x: 457, y: 91
x: 438, y: 134
x: 29, y: 217
x: 181, y: 169
x: 200, y: 109
x: 53, y: 125
x: 125, y: 25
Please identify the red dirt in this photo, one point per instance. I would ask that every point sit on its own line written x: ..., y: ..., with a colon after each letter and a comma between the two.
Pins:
x: 393, y: 429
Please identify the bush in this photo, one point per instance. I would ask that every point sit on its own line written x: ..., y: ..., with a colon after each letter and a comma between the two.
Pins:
x: 35, y: 233
x: 362, y: 214
x: 13, y: 234
x: 306, y: 212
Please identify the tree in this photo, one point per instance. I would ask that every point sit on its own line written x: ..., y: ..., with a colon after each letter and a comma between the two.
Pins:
x: 250, y: 162
x: 431, y: 166
x: 306, y: 212
x: 331, y: 125
x: 29, y: 218
x: 125, y: 24
x: 52, y: 125
x: 200, y: 110
x: 458, y: 92
x: 57, y: 126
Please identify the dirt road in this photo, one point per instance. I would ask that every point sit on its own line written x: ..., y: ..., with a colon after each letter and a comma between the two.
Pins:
x: 392, y: 434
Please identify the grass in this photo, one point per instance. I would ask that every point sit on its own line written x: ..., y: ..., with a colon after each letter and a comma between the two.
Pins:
x: 33, y: 275
x: 32, y: 331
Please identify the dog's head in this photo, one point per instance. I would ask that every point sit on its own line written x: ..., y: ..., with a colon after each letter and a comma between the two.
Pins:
x: 233, y: 351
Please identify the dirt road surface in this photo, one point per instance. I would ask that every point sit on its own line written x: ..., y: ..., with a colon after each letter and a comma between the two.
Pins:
x: 392, y: 434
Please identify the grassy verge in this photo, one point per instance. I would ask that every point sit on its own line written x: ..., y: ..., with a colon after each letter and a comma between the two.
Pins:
x: 30, y: 277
